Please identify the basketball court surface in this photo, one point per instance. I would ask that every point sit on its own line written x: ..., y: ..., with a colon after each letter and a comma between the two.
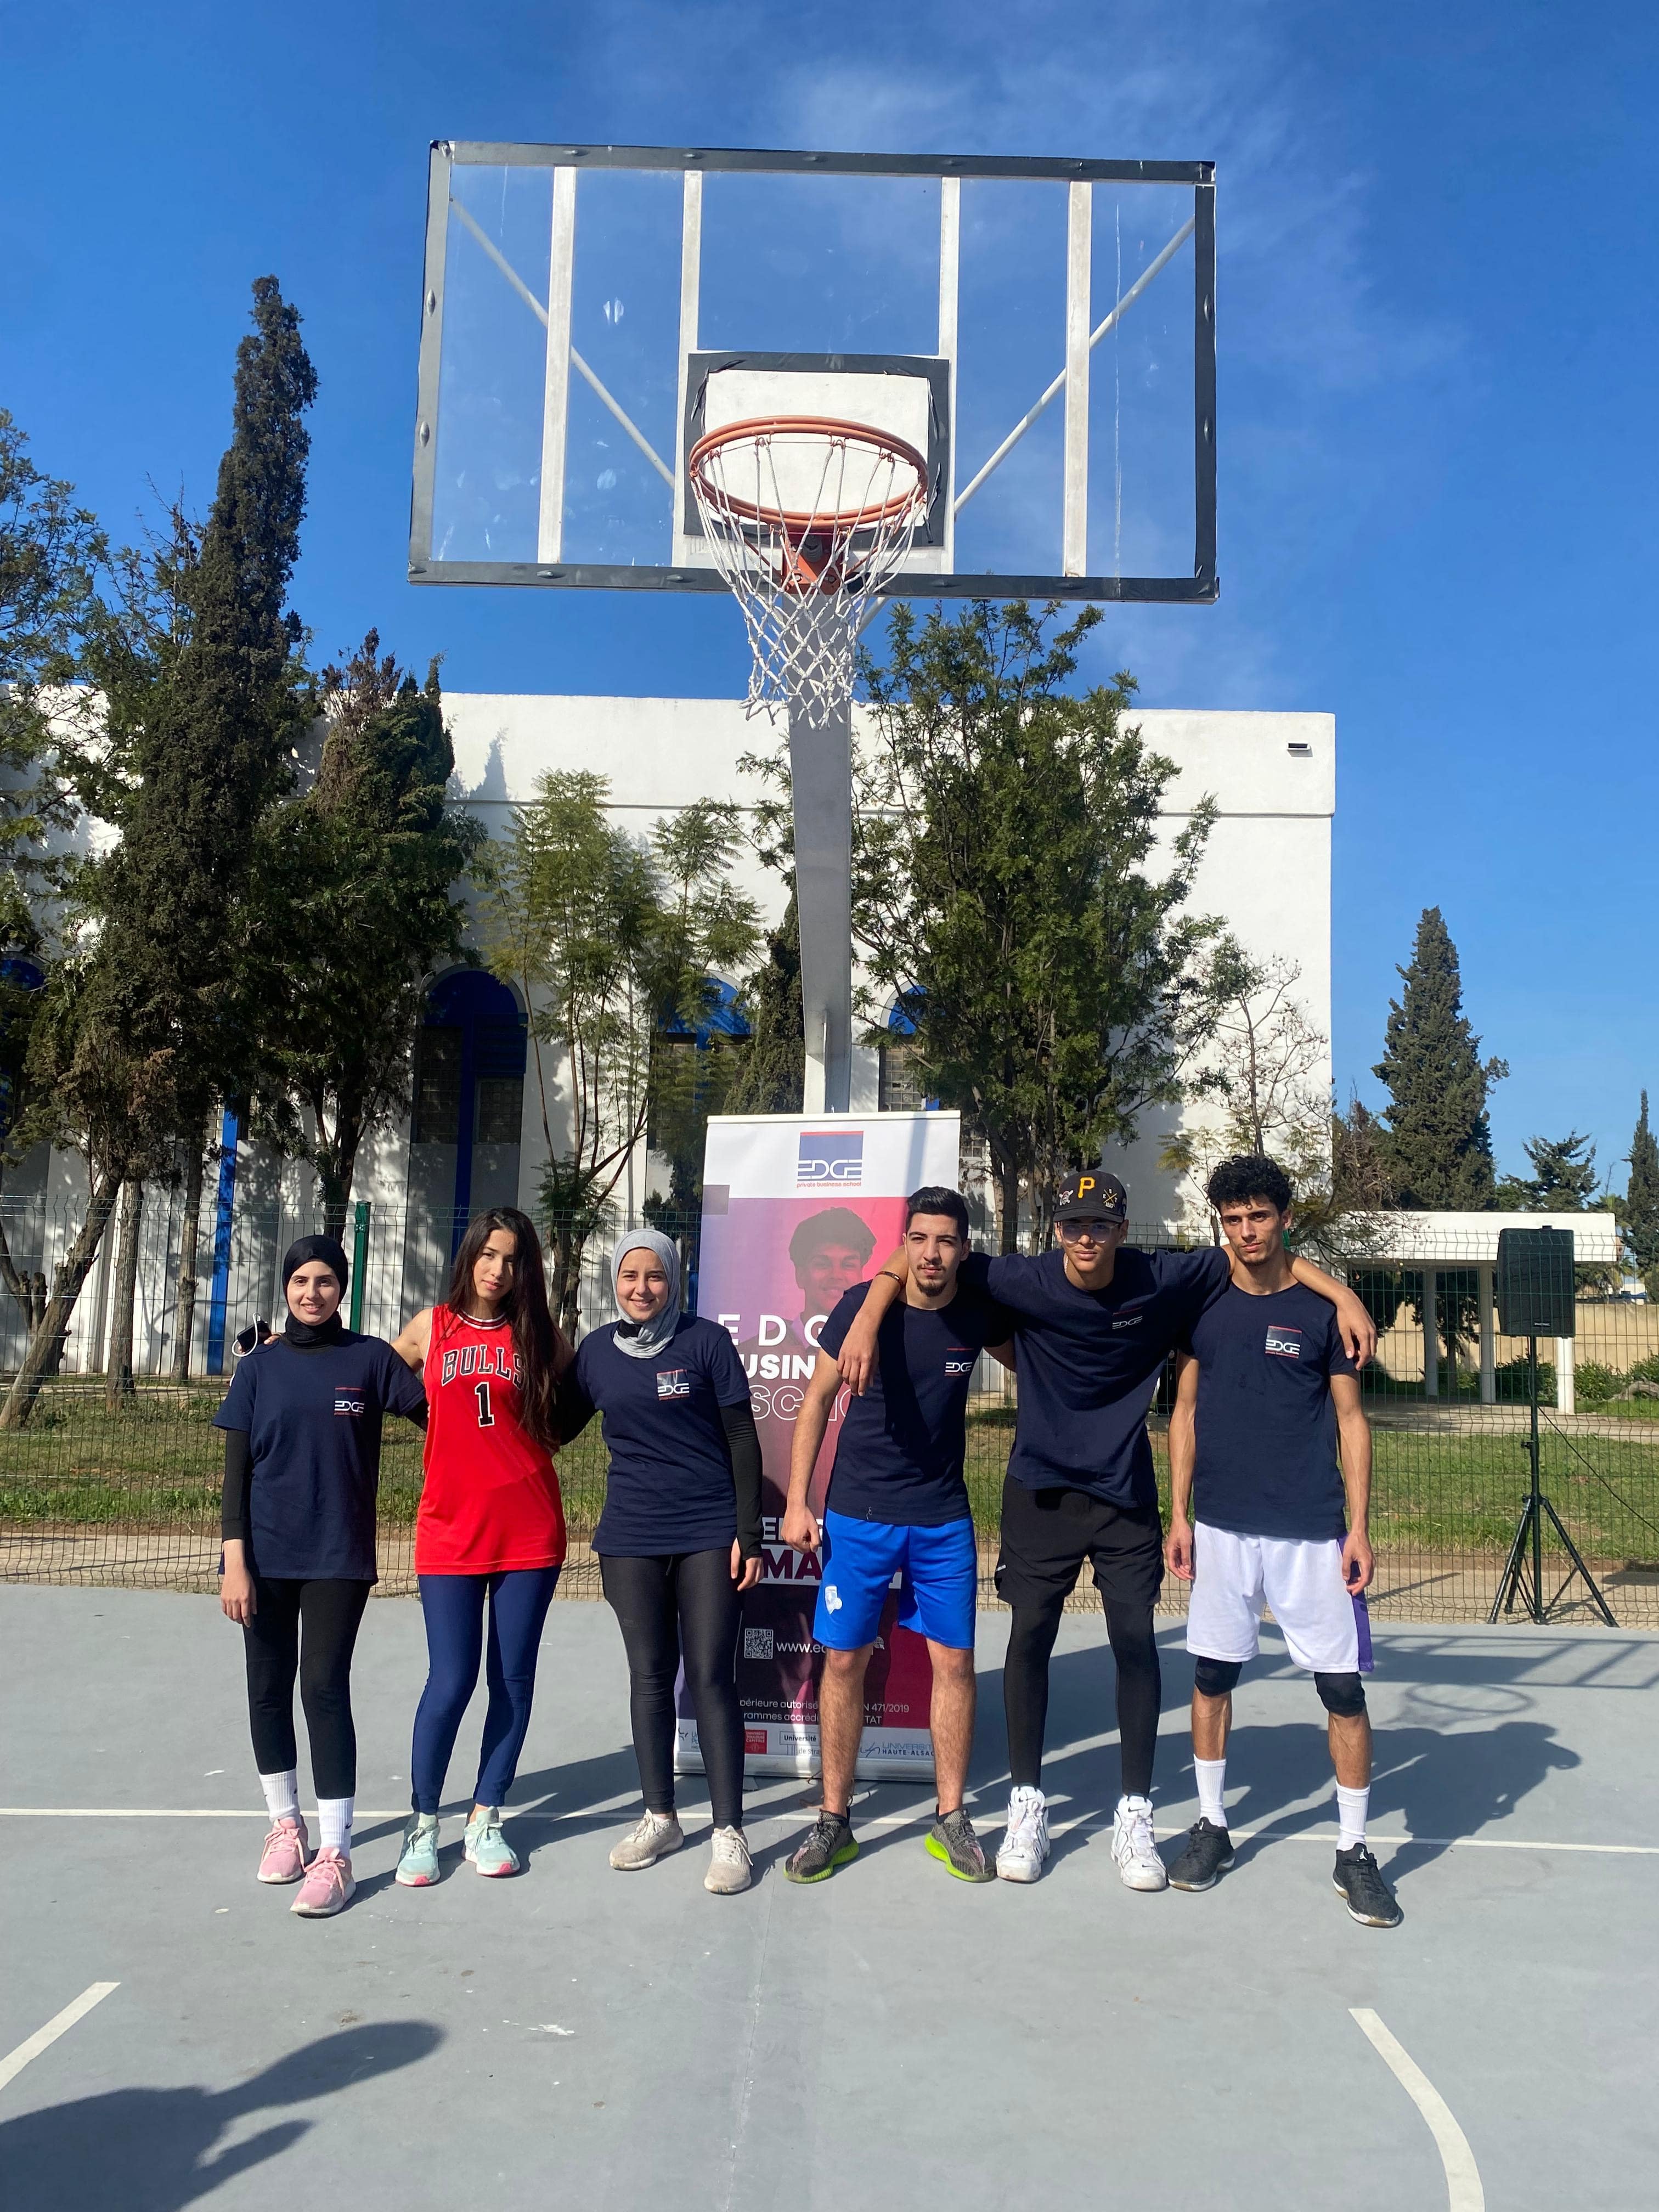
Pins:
x: 892, y: 2038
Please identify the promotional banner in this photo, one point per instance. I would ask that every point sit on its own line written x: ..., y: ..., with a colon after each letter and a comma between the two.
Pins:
x: 794, y: 1211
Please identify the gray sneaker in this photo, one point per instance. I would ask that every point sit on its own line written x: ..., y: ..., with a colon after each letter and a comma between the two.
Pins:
x: 829, y: 1843
x: 729, y: 1868
x: 952, y: 1840
x: 656, y: 1835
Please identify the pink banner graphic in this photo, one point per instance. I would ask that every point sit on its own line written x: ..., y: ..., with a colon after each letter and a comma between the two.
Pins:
x: 795, y: 1210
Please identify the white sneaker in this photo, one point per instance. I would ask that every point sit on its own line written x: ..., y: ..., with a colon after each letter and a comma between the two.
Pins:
x: 1026, y: 1846
x: 657, y: 1834
x: 729, y: 1868
x: 1134, y: 1848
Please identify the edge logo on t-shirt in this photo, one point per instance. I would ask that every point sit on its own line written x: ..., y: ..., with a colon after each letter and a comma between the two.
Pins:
x: 673, y: 1382
x: 1283, y: 1343
x: 958, y: 1360
x: 349, y: 1405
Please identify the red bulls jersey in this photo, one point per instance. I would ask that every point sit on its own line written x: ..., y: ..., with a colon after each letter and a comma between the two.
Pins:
x: 490, y: 1501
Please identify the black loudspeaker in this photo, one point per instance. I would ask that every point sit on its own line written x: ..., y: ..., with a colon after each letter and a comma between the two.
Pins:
x: 1536, y: 1294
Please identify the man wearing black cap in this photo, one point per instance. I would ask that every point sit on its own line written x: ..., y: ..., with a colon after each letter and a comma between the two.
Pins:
x: 1094, y: 1320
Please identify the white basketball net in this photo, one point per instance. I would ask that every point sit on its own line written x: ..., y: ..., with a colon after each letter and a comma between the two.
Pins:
x: 806, y: 520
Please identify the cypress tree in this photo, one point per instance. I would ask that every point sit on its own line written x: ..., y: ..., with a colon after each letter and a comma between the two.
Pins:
x: 205, y: 727
x: 1439, y: 1137
x: 1639, y: 1214
x: 772, y: 1066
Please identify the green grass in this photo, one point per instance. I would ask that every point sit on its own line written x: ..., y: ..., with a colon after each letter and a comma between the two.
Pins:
x: 156, y: 1464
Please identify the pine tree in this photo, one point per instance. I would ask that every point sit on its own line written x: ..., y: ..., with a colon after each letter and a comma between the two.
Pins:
x: 1439, y: 1138
x: 1562, y: 1178
x: 1639, y: 1213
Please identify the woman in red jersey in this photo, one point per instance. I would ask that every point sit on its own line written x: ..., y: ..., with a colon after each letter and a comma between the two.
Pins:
x: 490, y: 1527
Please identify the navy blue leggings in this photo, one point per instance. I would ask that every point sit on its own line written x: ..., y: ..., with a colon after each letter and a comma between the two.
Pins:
x: 455, y: 1609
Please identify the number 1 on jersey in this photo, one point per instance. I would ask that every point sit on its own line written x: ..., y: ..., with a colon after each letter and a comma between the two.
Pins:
x: 481, y: 1392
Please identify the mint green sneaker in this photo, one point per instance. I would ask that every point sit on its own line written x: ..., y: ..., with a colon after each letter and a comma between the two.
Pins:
x: 483, y: 1844
x: 418, y: 1866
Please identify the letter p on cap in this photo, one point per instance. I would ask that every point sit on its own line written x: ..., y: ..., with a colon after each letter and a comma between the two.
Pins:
x: 1084, y: 1182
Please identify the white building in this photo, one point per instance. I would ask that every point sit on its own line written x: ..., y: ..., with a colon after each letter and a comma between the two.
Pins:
x: 475, y: 1138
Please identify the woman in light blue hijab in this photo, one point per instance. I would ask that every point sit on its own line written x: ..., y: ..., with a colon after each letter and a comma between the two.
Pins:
x: 679, y: 1539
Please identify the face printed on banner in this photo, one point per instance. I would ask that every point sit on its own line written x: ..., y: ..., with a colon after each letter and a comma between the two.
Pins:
x: 831, y: 1270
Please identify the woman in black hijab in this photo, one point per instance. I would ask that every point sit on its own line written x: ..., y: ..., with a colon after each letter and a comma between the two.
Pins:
x: 302, y: 1463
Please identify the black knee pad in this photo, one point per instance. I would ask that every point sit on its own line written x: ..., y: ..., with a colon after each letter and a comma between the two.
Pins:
x: 1217, y: 1678
x: 1342, y: 1694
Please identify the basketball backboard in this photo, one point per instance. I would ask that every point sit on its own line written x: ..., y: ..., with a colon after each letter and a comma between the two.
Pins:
x: 1042, y: 331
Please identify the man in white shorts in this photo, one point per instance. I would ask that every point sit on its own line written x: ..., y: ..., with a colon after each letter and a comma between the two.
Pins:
x: 1265, y: 1389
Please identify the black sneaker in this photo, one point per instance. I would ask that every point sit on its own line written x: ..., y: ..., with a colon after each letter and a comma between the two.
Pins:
x: 953, y: 1839
x: 830, y: 1844
x: 1360, y: 1886
x: 1208, y: 1855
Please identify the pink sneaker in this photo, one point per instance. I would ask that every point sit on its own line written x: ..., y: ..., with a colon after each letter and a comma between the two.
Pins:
x: 328, y: 1887
x: 285, y: 1857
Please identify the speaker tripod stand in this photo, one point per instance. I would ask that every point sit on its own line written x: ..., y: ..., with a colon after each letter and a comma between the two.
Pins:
x: 1523, y: 1581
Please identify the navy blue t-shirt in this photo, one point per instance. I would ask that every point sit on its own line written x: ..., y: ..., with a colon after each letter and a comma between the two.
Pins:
x: 1088, y: 1361
x: 670, y: 1488
x: 899, y: 1453
x: 1266, y: 1462
x: 313, y: 1420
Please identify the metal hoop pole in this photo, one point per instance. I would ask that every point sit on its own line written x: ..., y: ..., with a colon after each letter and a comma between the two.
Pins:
x: 821, y: 777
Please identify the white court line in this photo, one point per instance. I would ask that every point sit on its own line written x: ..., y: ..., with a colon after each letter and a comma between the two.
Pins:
x: 15, y: 2060
x: 1463, y: 2190
x: 917, y: 1820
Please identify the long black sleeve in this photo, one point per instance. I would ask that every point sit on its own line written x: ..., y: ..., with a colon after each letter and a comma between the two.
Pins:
x: 743, y: 1441
x: 573, y: 1406
x: 233, y: 1520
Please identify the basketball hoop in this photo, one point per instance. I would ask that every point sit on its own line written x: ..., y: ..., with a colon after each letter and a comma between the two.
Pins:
x: 806, y: 517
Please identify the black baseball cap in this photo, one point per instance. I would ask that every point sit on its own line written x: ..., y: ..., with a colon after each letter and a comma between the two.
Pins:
x: 1093, y: 1195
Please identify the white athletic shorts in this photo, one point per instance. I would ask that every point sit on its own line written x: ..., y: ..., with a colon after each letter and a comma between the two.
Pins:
x: 1325, y: 1626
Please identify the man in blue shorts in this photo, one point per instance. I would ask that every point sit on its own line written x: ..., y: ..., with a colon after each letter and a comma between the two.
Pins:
x: 1256, y: 1518
x: 898, y: 1504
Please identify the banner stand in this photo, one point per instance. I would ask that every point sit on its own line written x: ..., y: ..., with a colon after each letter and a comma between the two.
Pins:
x: 796, y: 1209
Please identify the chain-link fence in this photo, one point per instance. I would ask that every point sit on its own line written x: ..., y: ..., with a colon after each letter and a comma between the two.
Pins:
x: 122, y: 1486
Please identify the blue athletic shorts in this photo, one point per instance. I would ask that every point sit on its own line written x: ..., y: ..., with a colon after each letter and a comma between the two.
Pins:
x: 937, y: 1596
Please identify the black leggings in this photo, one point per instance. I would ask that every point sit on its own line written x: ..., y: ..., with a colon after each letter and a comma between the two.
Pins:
x: 1025, y: 1689
x: 686, y: 1605
x: 329, y: 1615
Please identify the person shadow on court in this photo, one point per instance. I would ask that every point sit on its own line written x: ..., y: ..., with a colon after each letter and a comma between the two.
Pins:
x: 153, y: 2150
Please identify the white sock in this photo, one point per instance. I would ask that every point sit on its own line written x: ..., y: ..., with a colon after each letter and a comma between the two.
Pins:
x: 282, y: 1794
x: 334, y: 1823
x: 1351, y: 1805
x: 1212, y: 1775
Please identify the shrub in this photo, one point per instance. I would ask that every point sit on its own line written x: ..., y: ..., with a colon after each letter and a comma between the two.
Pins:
x: 1595, y: 1383
x: 1512, y: 1385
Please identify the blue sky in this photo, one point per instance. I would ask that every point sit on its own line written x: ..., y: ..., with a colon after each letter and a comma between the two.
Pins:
x: 1436, y: 434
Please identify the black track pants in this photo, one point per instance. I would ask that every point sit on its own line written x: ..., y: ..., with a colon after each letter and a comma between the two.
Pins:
x: 1025, y: 1689
x: 683, y: 1605
x: 307, y: 1628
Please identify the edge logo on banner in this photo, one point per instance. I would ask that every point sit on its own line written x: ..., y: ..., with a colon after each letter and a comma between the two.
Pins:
x: 826, y: 1157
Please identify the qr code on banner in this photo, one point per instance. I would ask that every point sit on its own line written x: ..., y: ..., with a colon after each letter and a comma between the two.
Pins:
x: 757, y: 1644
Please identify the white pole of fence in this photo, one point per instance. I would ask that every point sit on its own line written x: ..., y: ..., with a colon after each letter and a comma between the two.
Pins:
x: 1564, y: 1377
x: 1488, y: 1337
